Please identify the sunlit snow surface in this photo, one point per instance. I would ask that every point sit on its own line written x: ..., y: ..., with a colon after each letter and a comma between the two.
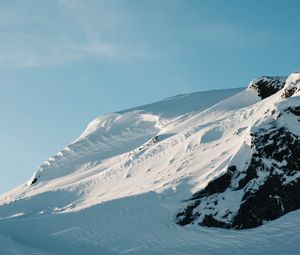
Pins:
x: 118, y: 187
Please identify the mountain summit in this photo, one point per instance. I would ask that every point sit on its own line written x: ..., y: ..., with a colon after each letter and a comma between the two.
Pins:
x: 180, y: 176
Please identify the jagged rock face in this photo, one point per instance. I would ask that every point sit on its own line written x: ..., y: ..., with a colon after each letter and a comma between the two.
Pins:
x: 278, y: 158
x: 267, y: 86
x: 266, y: 190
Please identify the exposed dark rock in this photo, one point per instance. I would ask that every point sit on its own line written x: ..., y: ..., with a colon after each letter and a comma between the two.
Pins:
x: 288, y: 92
x: 186, y: 216
x: 33, y: 181
x: 295, y: 110
x: 271, y: 201
x: 218, y: 185
x: 267, y: 86
x: 270, y: 185
x: 210, y: 221
x: 249, y: 175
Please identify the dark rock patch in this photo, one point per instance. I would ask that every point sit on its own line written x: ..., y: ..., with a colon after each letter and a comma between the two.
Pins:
x: 294, y: 110
x: 210, y: 221
x: 186, y: 216
x: 271, y: 201
x: 33, y: 181
x: 267, y: 86
x: 288, y: 92
x: 270, y: 185
x: 218, y: 185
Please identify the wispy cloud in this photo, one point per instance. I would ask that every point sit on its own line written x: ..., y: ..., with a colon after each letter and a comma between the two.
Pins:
x: 55, y: 32
x: 77, y: 34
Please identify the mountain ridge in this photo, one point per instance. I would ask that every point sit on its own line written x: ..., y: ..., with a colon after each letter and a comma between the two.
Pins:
x: 182, y: 160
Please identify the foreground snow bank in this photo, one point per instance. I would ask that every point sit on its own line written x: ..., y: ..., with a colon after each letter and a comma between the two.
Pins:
x: 141, y: 225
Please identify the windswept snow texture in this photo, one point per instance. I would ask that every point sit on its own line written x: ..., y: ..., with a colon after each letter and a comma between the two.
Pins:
x: 124, y: 185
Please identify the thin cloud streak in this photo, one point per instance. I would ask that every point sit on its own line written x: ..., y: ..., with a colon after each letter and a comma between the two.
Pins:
x: 106, y: 31
x: 29, y: 49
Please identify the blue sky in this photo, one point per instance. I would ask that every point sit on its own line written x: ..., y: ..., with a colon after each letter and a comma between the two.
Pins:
x: 64, y: 62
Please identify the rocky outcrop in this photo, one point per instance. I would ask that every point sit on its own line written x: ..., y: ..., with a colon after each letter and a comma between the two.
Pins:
x: 266, y: 86
x: 290, y: 91
x: 268, y: 188
x: 292, y: 85
x: 278, y: 159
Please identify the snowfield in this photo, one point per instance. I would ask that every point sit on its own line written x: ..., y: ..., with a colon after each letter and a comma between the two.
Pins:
x: 118, y: 188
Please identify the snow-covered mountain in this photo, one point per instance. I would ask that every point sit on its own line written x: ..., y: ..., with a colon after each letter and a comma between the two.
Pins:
x: 154, y: 180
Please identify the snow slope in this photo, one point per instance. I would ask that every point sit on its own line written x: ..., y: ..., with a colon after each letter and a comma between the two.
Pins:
x: 118, y: 187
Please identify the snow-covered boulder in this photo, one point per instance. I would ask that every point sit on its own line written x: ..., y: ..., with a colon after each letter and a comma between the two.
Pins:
x: 292, y: 85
